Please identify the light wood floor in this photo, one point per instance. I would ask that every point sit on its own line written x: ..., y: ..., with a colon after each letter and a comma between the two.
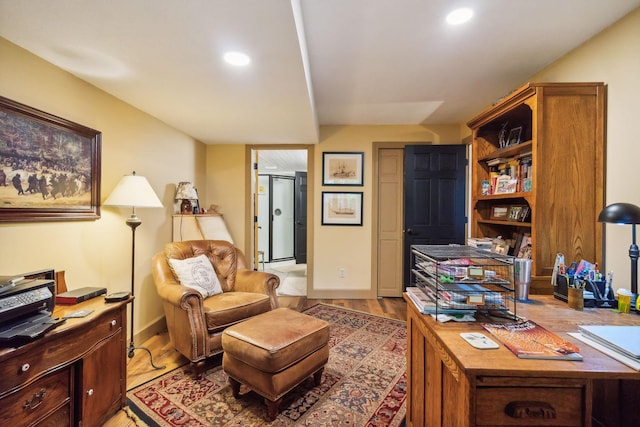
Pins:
x: 139, y: 370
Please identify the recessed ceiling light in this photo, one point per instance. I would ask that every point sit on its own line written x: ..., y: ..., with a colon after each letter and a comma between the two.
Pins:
x: 459, y: 16
x: 237, y: 58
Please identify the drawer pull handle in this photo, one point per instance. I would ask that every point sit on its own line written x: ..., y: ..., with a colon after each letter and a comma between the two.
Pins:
x: 529, y: 409
x: 25, y: 367
x: 36, y: 400
x: 114, y: 323
x: 90, y: 392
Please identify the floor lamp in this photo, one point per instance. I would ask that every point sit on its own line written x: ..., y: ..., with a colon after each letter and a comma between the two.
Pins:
x: 626, y: 213
x: 134, y: 191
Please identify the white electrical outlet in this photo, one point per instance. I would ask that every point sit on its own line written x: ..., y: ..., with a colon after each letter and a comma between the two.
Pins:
x: 341, y: 272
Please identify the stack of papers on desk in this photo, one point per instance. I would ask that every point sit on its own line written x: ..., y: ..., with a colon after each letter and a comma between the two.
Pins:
x: 620, y: 342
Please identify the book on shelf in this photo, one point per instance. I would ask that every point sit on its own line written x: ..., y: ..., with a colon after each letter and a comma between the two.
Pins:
x: 524, y: 250
x: 517, y: 241
x: 528, y: 340
x: 518, y: 168
x: 497, y: 161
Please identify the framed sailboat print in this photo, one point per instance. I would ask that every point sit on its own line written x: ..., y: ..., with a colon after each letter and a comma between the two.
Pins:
x: 342, y: 208
x: 344, y: 168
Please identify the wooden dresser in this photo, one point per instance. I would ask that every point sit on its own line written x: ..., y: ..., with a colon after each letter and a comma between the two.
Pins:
x: 451, y: 383
x: 73, y: 375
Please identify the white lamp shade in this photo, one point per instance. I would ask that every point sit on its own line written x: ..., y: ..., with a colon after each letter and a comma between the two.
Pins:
x: 133, y: 191
x: 186, y: 190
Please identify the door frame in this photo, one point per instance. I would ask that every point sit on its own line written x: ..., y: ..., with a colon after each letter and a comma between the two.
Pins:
x: 251, y: 197
x: 376, y: 200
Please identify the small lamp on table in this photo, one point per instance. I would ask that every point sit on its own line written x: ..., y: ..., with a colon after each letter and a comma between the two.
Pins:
x: 626, y: 213
x: 186, y: 192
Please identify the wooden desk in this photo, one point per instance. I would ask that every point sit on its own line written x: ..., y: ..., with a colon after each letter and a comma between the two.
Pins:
x: 451, y: 383
x: 73, y: 375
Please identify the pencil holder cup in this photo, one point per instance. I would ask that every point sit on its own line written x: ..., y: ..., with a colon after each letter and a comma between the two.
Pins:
x: 624, y: 300
x: 575, y: 298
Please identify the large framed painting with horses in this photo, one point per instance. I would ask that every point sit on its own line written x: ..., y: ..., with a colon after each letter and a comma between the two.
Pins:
x: 49, y: 166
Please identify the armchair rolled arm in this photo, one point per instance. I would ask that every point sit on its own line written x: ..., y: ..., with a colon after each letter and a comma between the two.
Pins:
x: 260, y: 282
x: 177, y: 294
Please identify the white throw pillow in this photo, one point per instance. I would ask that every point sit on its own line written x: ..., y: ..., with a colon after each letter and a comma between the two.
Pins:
x: 197, y: 273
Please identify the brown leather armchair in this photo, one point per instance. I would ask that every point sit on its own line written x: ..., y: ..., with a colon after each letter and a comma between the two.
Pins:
x: 195, y: 323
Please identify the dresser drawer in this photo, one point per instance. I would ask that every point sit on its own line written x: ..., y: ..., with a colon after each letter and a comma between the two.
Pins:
x: 39, y: 399
x: 530, y: 406
x: 51, y: 352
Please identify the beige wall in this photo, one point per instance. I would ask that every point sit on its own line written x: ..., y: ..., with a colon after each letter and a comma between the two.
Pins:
x: 334, y: 247
x: 98, y: 253
x: 348, y: 247
x: 612, y: 57
x: 226, y: 187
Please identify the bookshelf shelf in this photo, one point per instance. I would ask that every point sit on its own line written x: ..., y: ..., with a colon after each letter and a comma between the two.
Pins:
x: 505, y: 223
x: 511, y: 151
x: 502, y: 196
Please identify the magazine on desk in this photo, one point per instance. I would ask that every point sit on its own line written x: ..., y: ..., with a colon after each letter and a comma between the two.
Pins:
x: 528, y: 340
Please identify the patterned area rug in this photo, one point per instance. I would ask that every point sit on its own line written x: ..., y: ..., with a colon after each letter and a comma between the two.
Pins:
x: 363, y: 384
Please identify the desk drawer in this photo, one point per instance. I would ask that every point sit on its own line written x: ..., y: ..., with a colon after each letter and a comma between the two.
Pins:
x: 59, y: 349
x: 529, y: 406
x: 37, y: 400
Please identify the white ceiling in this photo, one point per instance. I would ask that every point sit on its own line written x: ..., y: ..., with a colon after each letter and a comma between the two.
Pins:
x: 282, y: 162
x: 314, y: 62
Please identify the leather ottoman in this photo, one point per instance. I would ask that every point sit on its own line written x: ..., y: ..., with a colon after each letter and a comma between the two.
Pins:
x: 273, y: 352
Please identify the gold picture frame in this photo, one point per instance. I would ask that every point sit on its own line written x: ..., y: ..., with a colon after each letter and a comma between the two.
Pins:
x: 49, y: 166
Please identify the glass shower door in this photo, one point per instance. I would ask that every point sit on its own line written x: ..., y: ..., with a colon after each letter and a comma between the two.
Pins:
x: 282, y: 218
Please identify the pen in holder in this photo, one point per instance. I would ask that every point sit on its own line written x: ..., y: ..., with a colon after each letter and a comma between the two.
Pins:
x: 575, y: 298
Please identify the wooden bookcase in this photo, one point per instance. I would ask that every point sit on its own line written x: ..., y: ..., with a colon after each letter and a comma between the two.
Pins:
x: 561, y: 144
